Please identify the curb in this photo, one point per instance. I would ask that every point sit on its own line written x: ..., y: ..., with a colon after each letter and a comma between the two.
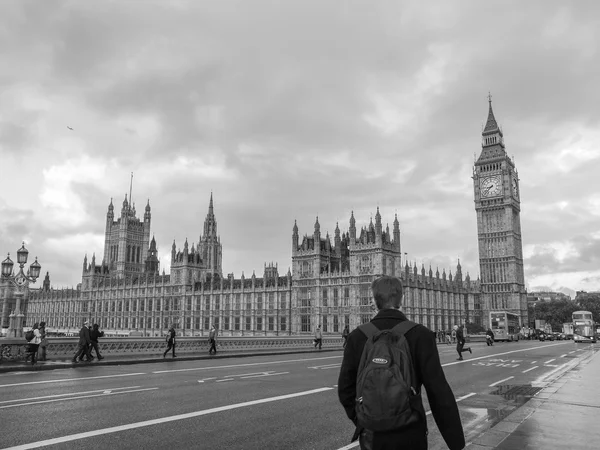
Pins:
x: 67, y: 364
x: 503, y: 429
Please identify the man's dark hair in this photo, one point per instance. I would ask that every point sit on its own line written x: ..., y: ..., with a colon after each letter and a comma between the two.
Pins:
x: 387, y: 292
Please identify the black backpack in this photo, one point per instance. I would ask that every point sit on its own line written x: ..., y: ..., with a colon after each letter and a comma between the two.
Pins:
x: 29, y: 336
x: 386, y: 394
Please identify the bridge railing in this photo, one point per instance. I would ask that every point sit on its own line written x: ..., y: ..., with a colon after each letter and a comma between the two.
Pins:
x: 60, y: 348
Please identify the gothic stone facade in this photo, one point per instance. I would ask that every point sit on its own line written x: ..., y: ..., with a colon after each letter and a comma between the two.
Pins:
x: 328, y: 286
x: 498, y: 207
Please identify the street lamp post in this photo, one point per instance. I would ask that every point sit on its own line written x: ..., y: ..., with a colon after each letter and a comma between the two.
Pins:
x: 21, y: 282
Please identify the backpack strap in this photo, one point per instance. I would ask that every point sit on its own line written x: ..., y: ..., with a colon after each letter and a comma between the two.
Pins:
x: 369, y: 330
x: 404, y: 327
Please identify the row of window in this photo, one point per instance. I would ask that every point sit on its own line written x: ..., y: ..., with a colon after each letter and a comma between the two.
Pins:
x: 271, y: 323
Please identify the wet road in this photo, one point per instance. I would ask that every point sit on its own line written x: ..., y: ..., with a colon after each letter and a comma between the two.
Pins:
x: 284, y: 401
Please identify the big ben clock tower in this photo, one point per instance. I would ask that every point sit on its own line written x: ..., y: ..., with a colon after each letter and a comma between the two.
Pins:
x: 498, y: 207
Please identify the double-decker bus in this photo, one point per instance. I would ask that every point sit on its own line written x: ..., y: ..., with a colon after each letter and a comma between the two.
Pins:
x: 505, y: 325
x: 583, y: 326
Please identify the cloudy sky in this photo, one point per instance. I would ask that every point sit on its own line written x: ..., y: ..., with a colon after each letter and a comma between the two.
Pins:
x: 289, y: 110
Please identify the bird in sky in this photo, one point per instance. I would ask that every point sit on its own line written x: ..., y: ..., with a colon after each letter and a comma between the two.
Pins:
x: 69, y: 128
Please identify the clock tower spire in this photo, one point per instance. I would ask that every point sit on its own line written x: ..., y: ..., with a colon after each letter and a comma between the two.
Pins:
x: 498, y: 208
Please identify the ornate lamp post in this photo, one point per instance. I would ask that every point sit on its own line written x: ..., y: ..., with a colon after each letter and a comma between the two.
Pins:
x: 21, y: 282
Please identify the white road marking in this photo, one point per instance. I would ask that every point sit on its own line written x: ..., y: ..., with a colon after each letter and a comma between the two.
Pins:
x: 63, y: 395
x: 572, y: 352
x: 266, y: 375
x: 77, y: 398
x: 72, y: 379
x: 356, y: 444
x: 562, y: 356
x: 550, y: 360
x: 500, y: 381
x: 247, y: 364
x: 533, y: 362
x: 498, y: 354
x: 326, y: 366
x: 246, y: 374
x: 147, y: 423
x: 534, y: 367
x: 206, y: 379
x: 224, y: 379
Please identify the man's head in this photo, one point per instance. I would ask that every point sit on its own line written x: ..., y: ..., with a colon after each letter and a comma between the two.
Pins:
x: 387, y: 292
x: 456, y: 327
x: 86, y: 323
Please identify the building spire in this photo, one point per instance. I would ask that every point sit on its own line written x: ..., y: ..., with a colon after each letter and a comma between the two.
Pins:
x: 491, y: 126
x: 210, y: 205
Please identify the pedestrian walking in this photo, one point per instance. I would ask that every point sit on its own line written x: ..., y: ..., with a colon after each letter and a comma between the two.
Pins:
x: 43, y: 342
x: 170, y: 342
x: 397, y: 427
x: 95, y: 333
x: 345, y: 334
x: 448, y: 338
x: 34, y: 343
x: 84, y: 343
x: 454, y: 334
x: 460, y: 342
x: 212, y: 340
x: 318, y: 337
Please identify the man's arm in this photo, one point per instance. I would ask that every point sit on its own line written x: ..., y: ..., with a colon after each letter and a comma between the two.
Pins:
x: 441, y: 398
x: 347, y: 377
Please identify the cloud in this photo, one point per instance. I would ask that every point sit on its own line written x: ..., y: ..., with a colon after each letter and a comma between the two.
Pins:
x: 288, y: 111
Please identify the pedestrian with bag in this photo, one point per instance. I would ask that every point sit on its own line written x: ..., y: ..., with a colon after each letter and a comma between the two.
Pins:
x: 460, y: 342
x: 170, y: 342
x: 34, y: 338
x: 43, y: 342
x: 318, y: 337
x: 212, y: 340
x: 95, y: 333
x: 84, y: 344
x: 386, y: 363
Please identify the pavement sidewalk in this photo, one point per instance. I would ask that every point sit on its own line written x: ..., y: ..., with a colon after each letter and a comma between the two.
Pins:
x: 117, y: 360
x: 562, y: 415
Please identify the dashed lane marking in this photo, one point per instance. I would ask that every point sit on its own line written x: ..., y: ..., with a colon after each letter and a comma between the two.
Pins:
x: 73, y: 379
x: 500, y: 381
x: 206, y: 379
x: 65, y: 395
x: 103, y: 394
x: 550, y: 360
x: 248, y: 364
x: 528, y: 370
x: 562, y: 356
x: 266, y: 375
x: 326, y: 366
x: 147, y: 423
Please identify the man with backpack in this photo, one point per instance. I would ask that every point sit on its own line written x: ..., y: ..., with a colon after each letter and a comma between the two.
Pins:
x: 386, y: 363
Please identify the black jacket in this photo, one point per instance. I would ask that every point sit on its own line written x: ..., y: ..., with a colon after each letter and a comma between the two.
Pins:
x: 429, y: 372
x: 95, y: 334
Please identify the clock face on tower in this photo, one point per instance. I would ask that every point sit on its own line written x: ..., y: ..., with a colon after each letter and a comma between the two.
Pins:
x: 515, y: 188
x: 491, y: 186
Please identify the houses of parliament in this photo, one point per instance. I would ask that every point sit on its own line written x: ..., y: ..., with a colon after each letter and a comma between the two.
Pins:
x: 328, y: 284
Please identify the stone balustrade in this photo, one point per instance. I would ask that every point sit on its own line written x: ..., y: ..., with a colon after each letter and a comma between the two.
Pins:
x: 61, y: 348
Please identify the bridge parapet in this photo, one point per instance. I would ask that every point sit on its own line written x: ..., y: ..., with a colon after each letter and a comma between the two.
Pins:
x: 61, y: 348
